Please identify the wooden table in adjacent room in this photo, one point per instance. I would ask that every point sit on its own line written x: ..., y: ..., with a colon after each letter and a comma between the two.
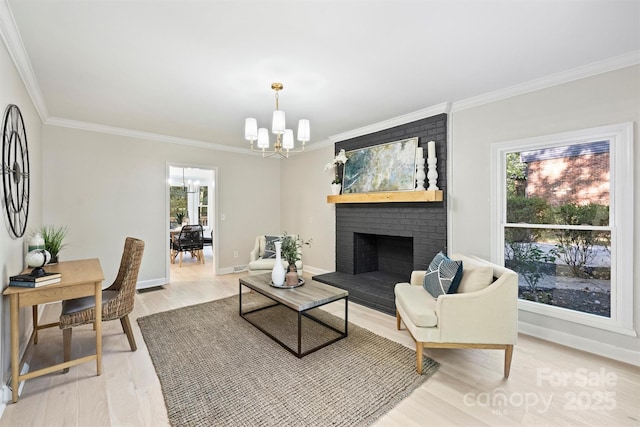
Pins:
x: 301, y: 299
x: 79, y: 279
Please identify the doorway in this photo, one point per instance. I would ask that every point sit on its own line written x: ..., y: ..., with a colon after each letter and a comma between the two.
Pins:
x: 191, y: 198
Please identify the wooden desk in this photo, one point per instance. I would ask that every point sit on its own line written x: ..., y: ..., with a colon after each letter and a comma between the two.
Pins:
x: 79, y: 278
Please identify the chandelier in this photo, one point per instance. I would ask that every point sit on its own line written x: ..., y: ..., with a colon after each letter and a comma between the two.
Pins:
x: 284, y: 137
x: 188, y: 187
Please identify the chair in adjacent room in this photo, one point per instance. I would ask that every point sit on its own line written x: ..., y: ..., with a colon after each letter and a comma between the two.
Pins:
x: 117, y: 299
x: 190, y: 239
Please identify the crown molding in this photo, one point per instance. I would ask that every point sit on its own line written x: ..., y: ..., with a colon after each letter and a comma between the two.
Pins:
x: 395, y: 121
x: 92, y: 127
x: 15, y: 47
x: 611, y: 64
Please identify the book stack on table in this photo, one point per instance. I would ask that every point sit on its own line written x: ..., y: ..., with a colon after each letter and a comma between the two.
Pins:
x: 29, y: 281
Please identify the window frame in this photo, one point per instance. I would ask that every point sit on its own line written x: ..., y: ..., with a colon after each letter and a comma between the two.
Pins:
x: 620, y: 137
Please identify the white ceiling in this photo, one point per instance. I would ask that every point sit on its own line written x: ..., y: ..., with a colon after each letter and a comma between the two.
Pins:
x: 196, y: 69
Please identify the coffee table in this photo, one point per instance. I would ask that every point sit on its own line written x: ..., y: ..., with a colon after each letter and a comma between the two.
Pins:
x: 301, y: 299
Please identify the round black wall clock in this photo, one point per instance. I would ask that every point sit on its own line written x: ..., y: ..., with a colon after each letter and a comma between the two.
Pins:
x: 15, y: 170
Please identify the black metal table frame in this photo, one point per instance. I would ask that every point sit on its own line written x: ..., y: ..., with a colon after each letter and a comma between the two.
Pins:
x: 299, y: 353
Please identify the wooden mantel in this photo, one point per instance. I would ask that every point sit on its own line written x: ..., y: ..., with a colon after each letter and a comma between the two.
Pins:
x: 389, y: 197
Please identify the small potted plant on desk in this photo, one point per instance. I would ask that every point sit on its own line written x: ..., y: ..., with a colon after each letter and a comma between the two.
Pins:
x: 53, y: 240
x: 290, y: 253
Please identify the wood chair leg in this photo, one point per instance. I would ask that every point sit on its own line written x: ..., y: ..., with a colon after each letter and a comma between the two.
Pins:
x: 66, y: 343
x: 201, y: 251
x: 398, y: 320
x: 419, y: 357
x: 180, y: 259
x: 508, y: 354
x: 126, y: 327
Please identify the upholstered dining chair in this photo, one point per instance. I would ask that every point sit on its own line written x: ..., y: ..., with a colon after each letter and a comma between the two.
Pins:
x: 117, y: 299
x: 190, y: 239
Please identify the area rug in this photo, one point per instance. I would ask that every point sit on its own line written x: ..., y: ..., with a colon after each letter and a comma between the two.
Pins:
x: 216, y: 368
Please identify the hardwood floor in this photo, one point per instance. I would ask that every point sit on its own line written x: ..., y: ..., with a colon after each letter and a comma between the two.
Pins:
x: 549, y: 384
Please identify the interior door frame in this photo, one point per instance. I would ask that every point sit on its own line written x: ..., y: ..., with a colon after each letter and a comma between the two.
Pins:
x: 213, y: 217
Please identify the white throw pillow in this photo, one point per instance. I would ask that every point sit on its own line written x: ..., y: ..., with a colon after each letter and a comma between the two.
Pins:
x: 475, y: 277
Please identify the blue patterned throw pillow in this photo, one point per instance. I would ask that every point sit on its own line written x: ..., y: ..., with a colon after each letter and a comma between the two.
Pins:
x: 270, y: 247
x: 443, y: 276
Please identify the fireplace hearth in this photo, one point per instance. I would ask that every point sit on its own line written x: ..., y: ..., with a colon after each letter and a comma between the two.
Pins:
x: 379, y: 262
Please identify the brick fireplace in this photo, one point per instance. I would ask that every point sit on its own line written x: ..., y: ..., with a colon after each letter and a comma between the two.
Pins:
x: 379, y: 244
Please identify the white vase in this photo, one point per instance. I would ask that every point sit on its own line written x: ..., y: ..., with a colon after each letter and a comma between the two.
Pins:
x: 36, y: 242
x: 278, y: 273
x: 335, y: 189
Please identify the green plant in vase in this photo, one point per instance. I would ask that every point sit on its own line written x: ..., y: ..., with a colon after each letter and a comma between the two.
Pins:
x: 180, y: 217
x: 290, y: 252
x: 54, y: 239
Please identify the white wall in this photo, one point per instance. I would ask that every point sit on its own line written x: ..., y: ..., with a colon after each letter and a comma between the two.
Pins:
x: 106, y: 187
x: 304, y: 207
x: 608, y: 98
x: 12, y: 251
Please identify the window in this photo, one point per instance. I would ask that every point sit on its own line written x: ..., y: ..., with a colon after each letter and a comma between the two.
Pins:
x: 564, y: 223
x: 178, y: 205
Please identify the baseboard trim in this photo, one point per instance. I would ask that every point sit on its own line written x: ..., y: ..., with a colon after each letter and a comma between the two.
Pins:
x: 580, y: 343
x: 5, y: 391
x: 314, y: 270
x: 151, y: 283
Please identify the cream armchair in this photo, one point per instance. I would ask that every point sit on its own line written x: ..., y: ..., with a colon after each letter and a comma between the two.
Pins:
x: 258, y: 265
x: 483, y: 314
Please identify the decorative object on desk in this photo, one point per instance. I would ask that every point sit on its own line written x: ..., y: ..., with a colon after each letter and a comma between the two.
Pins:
x: 420, y: 175
x: 29, y: 281
x: 36, y: 242
x: 35, y: 279
x: 338, y: 160
x: 278, y: 273
x: 384, y: 167
x: 432, y: 162
x: 15, y: 171
x: 284, y: 137
x: 53, y: 240
x: 37, y: 259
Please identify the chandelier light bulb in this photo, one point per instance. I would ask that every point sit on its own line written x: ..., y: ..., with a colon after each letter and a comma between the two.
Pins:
x: 263, y: 138
x: 287, y: 140
x: 278, y: 124
x: 250, y: 129
x: 304, y: 131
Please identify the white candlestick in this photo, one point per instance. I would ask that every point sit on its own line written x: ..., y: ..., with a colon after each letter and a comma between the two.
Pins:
x: 419, y: 153
x: 420, y: 175
x: 432, y: 173
x: 431, y: 149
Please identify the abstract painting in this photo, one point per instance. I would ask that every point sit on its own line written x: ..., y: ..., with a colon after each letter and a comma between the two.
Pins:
x: 384, y: 167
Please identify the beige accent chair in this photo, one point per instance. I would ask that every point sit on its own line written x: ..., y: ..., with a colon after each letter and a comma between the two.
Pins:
x: 482, y: 314
x: 258, y: 265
